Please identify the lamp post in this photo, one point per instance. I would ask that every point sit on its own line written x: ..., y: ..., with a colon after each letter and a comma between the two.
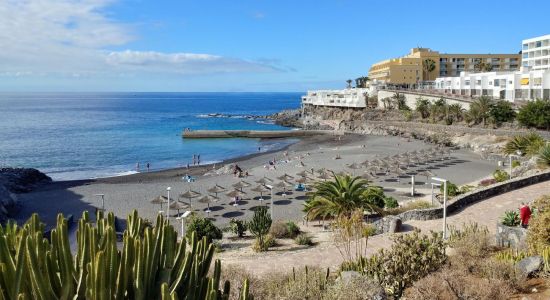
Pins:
x: 444, y: 182
x: 102, y: 200
x: 412, y: 185
x: 182, y: 221
x: 168, y: 205
x: 434, y: 184
x: 519, y: 153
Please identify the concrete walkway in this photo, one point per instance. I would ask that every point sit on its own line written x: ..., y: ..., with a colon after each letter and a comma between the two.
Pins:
x: 325, y: 254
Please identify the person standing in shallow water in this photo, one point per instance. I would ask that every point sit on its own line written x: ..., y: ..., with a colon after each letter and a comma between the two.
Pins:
x: 148, y: 166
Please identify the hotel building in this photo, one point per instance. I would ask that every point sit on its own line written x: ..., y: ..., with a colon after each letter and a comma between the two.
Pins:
x: 536, y: 53
x: 408, y: 70
x: 531, y: 82
x: 350, y: 98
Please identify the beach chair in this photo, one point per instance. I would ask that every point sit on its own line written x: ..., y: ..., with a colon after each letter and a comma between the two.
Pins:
x: 188, y: 178
x: 299, y: 187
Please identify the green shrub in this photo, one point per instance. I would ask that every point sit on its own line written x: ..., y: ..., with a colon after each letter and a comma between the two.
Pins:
x: 538, y: 234
x: 293, y: 229
x: 452, y: 189
x: 279, y: 230
x: 500, y: 175
x: 510, y: 255
x: 501, y: 112
x: 410, y: 258
x: 516, y: 163
x: 417, y: 204
x: 510, y: 218
x: 390, y: 202
x: 303, y: 239
x: 543, y: 159
x: 466, y: 189
x: 203, y: 227
x: 374, y: 196
x: 529, y: 144
x: 238, y: 227
x: 535, y: 114
x: 259, y: 226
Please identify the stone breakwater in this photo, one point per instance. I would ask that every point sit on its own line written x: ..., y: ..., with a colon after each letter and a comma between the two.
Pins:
x: 14, y: 181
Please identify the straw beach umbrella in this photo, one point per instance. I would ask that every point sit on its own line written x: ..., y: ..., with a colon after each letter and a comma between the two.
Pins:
x: 426, y: 173
x: 284, y: 185
x: 190, y: 195
x: 324, y: 176
x: 261, y: 189
x: 179, y: 205
x: 159, y: 200
x: 208, y: 199
x: 264, y: 180
x: 302, y: 174
x: 216, y: 189
x: 235, y: 194
x: 241, y: 184
x: 285, y: 177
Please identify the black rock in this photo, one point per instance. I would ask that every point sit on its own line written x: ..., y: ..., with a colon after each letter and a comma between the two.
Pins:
x: 22, y: 180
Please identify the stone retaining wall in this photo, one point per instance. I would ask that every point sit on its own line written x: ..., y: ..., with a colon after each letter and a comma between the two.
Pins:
x: 464, y: 200
x: 507, y: 236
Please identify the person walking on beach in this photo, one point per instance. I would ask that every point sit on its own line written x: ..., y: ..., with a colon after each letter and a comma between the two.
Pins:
x: 148, y: 165
x: 198, y: 159
x: 524, y: 215
x: 194, y: 159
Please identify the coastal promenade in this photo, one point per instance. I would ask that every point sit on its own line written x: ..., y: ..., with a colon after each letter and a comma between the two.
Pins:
x: 264, y: 134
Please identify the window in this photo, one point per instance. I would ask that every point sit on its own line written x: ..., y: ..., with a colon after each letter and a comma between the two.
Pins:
x: 497, y: 82
x: 491, y: 83
x: 525, y: 46
x: 467, y: 82
x: 525, y: 55
x: 478, y: 82
x: 538, y: 44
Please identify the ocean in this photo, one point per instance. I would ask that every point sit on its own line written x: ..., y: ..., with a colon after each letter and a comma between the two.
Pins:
x: 91, y: 135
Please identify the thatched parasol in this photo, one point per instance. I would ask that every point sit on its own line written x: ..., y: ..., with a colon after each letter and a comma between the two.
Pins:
x: 178, y: 205
x: 261, y: 189
x: 285, y: 177
x: 208, y: 199
x: 190, y: 195
x: 264, y: 180
x: 426, y: 173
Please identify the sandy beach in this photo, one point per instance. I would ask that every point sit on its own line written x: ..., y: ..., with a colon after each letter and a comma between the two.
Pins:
x: 125, y: 193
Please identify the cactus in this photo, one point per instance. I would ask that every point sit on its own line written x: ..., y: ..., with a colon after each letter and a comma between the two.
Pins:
x: 259, y: 226
x: 151, y: 264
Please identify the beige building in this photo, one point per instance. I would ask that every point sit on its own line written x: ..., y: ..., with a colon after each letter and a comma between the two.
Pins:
x: 409, y: 69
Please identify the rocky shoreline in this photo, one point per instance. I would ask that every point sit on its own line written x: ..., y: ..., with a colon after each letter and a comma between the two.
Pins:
x: 14, y: 181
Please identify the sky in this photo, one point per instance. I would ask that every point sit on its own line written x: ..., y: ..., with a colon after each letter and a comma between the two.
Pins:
x: 239, y: 45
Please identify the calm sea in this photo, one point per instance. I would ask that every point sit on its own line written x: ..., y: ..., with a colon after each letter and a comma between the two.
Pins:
x: 79, y: 136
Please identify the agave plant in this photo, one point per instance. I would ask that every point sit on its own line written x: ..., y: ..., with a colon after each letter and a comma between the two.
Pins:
x: 511, y: 218
x: 529, y: 144
x: 543, y: 159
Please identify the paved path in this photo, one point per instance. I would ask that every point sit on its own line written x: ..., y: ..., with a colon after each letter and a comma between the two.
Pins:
x: 324, y: 255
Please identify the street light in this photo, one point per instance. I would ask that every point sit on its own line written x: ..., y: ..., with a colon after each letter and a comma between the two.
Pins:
x: 412, y: 185
x: 102, y: 200
x: 168, y: 208
x: 519, y: 153
x: 182, y: 220
x: 434, y: 184
x: 444, y: 181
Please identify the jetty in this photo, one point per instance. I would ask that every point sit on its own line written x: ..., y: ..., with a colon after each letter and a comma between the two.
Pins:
x: 262, y: 134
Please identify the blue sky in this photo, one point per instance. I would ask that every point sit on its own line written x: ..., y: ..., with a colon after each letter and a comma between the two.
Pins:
x: 242, y: 45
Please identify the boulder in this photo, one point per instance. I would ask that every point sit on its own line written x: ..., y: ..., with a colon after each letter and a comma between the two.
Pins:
x: 530, y: 265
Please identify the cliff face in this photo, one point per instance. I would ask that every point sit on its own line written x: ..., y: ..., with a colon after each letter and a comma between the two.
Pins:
x: 14, y: 181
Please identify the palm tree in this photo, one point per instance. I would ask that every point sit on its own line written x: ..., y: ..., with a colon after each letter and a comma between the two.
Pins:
x: 454, y: 113
x: 479, y: 109
x: 349, y: 81
x: 423, y: 107
x: 361, y: 82
x: 400, y: 101
x: 341, y: 196
x: 481, y: 66
x: 428, y: 65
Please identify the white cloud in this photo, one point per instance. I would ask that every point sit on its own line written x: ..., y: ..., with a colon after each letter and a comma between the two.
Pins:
x: 70, y: 38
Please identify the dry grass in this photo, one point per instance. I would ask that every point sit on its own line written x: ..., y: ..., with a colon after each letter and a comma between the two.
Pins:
x: 418, y: 204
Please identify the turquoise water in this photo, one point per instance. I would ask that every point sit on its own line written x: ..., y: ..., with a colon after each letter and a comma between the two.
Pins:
x: 79, y: 136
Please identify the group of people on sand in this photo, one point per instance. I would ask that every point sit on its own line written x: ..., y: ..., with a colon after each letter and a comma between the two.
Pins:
x: 147, y: 165
x: 238, y: 172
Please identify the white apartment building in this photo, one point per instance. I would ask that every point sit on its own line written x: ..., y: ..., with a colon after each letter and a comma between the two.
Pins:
x: 525, y: 84
x: 536, y: 53
x: 351, y: 98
